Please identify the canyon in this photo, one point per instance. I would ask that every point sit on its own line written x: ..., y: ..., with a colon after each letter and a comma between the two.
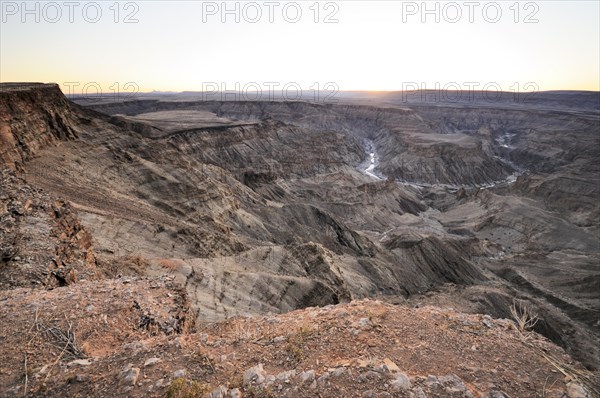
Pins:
x: 256, y: 208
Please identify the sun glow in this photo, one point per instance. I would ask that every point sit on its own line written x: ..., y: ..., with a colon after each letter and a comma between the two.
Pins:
x: 357, y: 45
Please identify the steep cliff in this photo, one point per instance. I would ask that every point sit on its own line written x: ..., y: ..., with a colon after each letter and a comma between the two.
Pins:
x: 33, y: 116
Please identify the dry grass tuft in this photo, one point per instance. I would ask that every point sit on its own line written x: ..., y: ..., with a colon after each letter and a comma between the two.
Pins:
x: 525, y: 318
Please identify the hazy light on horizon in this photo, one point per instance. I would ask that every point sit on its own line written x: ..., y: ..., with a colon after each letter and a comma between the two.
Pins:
x: 375, y: 45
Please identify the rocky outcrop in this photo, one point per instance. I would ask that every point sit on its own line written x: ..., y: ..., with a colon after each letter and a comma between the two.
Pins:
x: 42, y: 242
x: 312, y: 221
x: 33, y: 116
x: 435, y: 260
x: 318, y: 263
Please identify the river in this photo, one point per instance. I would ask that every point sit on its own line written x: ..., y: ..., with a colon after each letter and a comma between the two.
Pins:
x: 369, y: 168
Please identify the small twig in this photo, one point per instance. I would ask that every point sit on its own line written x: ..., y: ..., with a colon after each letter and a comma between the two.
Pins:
x: 544, y: 390
x: 35, y: 322
x: 26, y: 377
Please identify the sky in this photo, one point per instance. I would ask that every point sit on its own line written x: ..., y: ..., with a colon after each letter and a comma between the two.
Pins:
x: 274, y: 45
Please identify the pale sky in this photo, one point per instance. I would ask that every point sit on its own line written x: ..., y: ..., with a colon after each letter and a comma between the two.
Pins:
x: 374, y: 45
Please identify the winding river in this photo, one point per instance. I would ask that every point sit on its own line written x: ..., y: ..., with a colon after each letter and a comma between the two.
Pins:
x: 369, y: 168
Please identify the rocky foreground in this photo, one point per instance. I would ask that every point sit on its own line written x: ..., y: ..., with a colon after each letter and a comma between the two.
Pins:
x: 133, y: 337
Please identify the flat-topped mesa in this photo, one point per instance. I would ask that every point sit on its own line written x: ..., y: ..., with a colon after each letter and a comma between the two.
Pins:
x: 33, y: 116
x: 17, y: 86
